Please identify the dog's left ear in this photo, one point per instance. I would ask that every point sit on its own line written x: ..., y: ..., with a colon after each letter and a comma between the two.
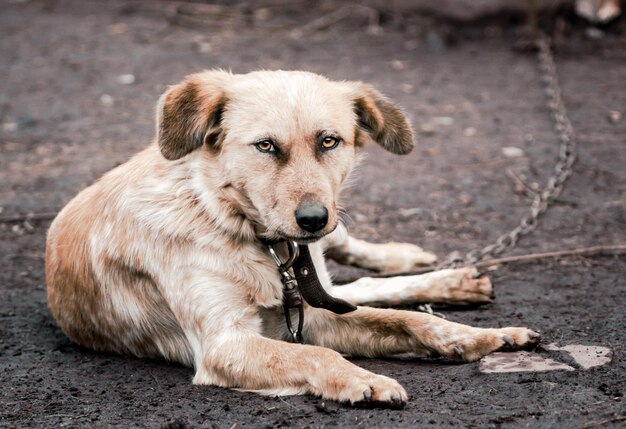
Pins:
x: 381, y: 120
x: 189, y: 114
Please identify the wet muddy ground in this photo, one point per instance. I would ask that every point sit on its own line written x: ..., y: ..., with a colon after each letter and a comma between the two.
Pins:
x: 79, y: 83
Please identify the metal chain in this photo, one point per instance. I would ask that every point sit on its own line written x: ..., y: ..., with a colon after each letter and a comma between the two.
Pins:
x: 562, y: 170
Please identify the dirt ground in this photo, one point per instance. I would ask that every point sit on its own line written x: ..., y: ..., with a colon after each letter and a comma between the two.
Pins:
x: 70, y: 110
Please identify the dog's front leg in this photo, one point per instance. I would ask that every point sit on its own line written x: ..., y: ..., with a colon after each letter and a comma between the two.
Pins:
x: 382, y: 332
x: 250, y: 362
x: 460, y: 286
x: 387, y: 258
x: 224, y: 332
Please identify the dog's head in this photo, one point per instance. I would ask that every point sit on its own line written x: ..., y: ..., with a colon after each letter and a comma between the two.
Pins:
x: 279, y: 143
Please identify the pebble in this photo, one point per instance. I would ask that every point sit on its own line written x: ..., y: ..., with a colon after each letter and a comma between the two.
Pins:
x: 435, y: 42
x: 411, y: 211
x: 469, y: 132
x: 398, y: 65
x: 262, y: 14
x: 9, y: 127
x: 360, y: 217
x: 407, y: 88
x: 512, y: 152
x: 594, y: 33
x: 126, y: 79
x: 615, y: 116
x: 465, y: 199
x: 115, y: 29
x: 204, y: 47
x: 106, y: 100
x: 411, y: 45
x: 443, y: 120
x: 427, y: 129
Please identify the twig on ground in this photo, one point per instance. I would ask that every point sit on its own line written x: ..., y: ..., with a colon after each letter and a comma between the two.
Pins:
x: 593, y: 250
x: 603, y: 422
x: 520, y: 185
x: 29, y: 216
x: 338, y: 15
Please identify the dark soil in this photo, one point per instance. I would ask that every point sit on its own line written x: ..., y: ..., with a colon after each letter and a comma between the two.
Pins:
x: 60, y: 132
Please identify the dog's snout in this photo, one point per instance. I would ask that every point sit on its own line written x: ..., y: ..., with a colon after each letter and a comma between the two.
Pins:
x: 312, y: 217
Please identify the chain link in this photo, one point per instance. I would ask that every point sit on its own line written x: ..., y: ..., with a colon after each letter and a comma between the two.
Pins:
x: 562, y: 170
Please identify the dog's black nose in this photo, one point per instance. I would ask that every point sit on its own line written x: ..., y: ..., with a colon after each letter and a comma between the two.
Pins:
x: 312, y: 217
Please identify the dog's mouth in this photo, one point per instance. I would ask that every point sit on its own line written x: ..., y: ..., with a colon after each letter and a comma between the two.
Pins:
x: 305, y: 238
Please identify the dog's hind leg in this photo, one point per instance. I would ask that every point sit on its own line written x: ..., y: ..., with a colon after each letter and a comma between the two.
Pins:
x: 386, y: 258
x: 375, y: 332
x: 459, y: 286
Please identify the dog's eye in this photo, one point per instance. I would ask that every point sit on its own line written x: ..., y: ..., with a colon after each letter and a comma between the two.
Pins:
x: 330, y: 142
x: 265, y: 146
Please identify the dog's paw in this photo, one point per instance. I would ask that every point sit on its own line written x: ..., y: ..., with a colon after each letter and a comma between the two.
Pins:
x: 481, y: 342
x: 463, y: 286
x: 403, y: 258
x: 371, y: 390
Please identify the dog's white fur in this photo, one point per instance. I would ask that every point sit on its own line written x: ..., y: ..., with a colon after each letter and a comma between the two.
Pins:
x: 162, y: 258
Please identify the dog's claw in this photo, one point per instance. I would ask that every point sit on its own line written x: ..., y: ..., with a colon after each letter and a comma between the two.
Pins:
x: 508, y: 341
x: 397, y: 401
x: 458, y: 352
x: 367, y: 395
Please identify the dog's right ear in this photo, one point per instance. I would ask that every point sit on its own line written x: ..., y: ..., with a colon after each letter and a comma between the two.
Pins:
x: 380, y: 120
x: 189, y: 114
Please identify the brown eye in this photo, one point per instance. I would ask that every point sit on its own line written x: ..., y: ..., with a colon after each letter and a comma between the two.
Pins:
x: 265, y: 146
x: 330, y: 142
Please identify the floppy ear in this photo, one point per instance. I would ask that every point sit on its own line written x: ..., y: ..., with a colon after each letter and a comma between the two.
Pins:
x: 382, y: 121
x: 189, y: 114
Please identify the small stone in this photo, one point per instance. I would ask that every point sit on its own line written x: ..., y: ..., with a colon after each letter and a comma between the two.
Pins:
x: 427, y: 129
x: 106, y: 100
x: 9, y: 127
x: 115, y: 29
x: 411, y: 45
x: 411, y: 211
x: 466, y: 199
x: 126, y: 79
x: 435, y: 42
x: 407, y: 88
x: 360, y: 217
x: 204, y: 47
x: 398, y: 65
x: 17, y: 229
x: 512, y: 152
x: 469, y: 132
x: 262, y: 14
x: 443, y: 120
x: 615, y: 116
x: 594, y: 33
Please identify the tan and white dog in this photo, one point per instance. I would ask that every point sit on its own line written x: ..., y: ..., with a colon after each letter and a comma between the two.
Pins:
x: 163, y: 257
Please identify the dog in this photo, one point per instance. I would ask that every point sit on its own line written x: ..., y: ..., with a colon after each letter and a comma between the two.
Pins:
x: 165, y: 256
